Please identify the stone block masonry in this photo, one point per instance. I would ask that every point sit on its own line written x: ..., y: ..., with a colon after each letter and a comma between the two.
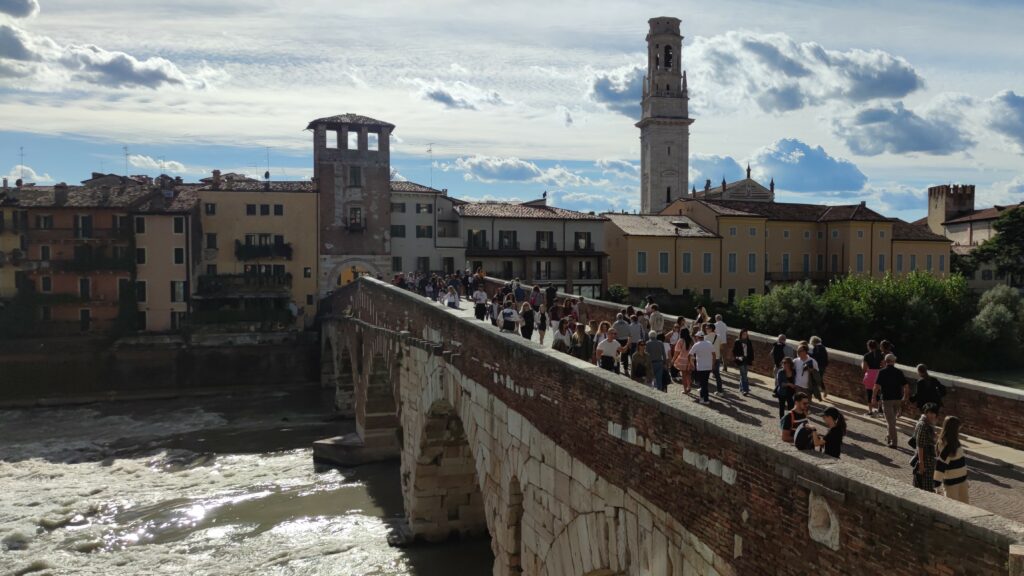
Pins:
x: 579, y: 471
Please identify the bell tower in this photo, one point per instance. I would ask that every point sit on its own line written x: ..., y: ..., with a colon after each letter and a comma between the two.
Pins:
x: 665, y: 121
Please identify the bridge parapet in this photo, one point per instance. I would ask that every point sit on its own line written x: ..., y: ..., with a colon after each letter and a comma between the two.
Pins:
x: 574, y: 470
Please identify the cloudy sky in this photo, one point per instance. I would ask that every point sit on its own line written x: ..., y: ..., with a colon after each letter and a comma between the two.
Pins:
x: 866, y: 101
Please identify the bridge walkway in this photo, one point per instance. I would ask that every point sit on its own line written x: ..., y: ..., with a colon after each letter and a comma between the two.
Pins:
x: 995, y: 473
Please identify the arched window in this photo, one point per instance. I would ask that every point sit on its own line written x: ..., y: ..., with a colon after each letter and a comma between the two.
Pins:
x: 668, y: 57
x: 657, y: 61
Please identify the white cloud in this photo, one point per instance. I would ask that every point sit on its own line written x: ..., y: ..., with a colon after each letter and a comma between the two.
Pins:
x: 798, y: 167
x: 938, y: 128
x: 704, y: 167
x: 1005, y: 115
x: 491, y: 169
x: 150, y: 163
x: 621, y: 168
x: 27, y: 174
x: 457, y: 95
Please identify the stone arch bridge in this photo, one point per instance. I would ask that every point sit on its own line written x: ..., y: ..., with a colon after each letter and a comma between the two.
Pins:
x: 574, y: 471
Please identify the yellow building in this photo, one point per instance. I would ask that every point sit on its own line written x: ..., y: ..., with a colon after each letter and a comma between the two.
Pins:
x: 259, y: 250
x: 917, y: 248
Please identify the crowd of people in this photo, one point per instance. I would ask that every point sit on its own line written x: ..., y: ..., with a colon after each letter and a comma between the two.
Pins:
x: 642, y: 344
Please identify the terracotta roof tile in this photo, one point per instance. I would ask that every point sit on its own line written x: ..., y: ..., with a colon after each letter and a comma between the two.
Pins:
x: 914, y: 232
x: 348, y: 119
x: 406, y: 186
x: 983, y: 214
x: 79, y: 197
x: 795, y: 211
x: 524, y: 210
x: 657, y: 225
x: 256, y: 186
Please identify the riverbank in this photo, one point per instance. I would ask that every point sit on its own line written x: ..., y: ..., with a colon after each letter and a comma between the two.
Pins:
x: 214, y: 485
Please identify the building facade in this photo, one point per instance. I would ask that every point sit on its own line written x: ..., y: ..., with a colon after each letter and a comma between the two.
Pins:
x: 426, y: 231
x: 665, y: 119
x: 352, y: 167
x: 952, y: 213
x: 259, y: 250
x: 536, y: 243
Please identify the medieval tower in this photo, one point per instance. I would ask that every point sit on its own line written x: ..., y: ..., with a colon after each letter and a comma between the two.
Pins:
x: 665, y: 121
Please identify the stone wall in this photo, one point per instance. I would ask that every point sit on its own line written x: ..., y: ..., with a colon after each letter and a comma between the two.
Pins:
x: 603, y: 474
x: 988, y: 411
x: 52, y: 371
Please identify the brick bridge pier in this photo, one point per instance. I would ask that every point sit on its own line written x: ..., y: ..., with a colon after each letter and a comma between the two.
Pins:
x: 575, y: 471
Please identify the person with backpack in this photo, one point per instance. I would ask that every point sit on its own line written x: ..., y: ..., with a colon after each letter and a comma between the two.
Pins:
x: 796, y: 417
x: 928, y: 389
x: 820, y: 355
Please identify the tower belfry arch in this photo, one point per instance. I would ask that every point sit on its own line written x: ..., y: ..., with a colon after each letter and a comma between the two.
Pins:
x: 665, y: 121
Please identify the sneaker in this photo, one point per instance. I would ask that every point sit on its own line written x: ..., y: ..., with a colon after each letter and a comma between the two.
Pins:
x: 706, y: 402
x: 746, y: 393
x: 869, y: 413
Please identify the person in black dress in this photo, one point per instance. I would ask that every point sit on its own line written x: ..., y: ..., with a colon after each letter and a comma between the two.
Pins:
x: 832, y: 442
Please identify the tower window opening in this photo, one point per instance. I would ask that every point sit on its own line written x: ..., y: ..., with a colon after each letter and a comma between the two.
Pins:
x: 668, y: 87
x: 669, y: 150
x: 668, y: 57
x: 372, y: 141
x: 657, y: 62
x: 352, y: 140
x: 668, y: 194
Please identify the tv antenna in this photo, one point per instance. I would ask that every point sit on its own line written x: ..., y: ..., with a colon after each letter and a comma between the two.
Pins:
x: 267, y: 175
x: 430, y: 150
x: 21, y: 161
x: 125, y: 148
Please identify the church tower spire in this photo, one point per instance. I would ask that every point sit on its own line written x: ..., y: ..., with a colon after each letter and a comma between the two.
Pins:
x: 665, y: 120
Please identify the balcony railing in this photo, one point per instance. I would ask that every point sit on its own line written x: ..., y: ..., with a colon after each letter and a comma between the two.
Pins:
x: 56, y: 235
x: 262, y: 252
x: 583, y: 246
x: 477, y: 245
x: 546, y: 246
x: 240, y: 284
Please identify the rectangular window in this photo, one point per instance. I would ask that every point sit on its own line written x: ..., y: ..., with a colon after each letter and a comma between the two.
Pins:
x: 264, y: 209
x: 507, y: 240
x: 753, y: 231
x: 687, y: 262
x: 820, y: 234
x: 211, y: 269
x: 44, y: 253
x: 663, y: 262
x: 177, y: 291
x: 278, y: 209
x: 355, y: 176
x: 351, y: 140
x: 732, y: 263
x: 140, y: 321
x: 751, y: 291
x: 928, y: 262
x: 179, y: 224
x: 860, y: 262
x: 211, y: 208
x: 913, y: 262
x: 881, y: 233
x: 423, y: 264
x: 179, y: 255
x: 250, y: 209
x: 583, y: 241
x: 881, y: 263
x: 372, y: 141
x: 309, y: 299
x: 899, y: 262
x: 752, y: 262
x: 821, y: 262
x: 279, y: 270
x: 942, y: 262
x: 140, y: 255
x: 835, y: 263
x: 785, y: 233
x: 807, y: 234
x: 785, y: 264
x: 398, y: 231
x: 211, y: 241
x: 545, y: 240
x: 84, y: 288
x: 641, y: 262
x: 807, y: 264
x: 46, y: 284
x: 355, y: 218
x: 44, y: 222
x: 140, y: 224
x: 860, y: 233
x: 424, y: 208
x: 707, y: 262
x: 45, y: 313
x: 835, y: 234
x: 396, y: 263
x: 424, y: 231
x: 397, y: 207
x: 707, y: 293
x: 732, y: 231
x: 732, y: 295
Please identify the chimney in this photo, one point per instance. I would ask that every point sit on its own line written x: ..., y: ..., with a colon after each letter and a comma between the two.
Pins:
x: 771, y: 186
x: 216, y: 179
x: 60, y: 194
x: 178, y: 180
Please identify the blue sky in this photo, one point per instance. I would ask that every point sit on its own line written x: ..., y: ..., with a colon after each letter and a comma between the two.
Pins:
x: 836, y: 102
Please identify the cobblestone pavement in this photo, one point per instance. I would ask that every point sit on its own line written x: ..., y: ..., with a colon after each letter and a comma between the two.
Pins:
x: 994, y: 486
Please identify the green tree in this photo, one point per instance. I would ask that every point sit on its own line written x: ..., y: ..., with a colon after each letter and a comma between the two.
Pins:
x: 618, y: 293
x: 1006, y: 248
x: 792, y: 309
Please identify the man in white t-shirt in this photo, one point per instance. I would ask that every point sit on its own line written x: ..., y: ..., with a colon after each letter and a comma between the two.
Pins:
x: 608, y: 351
x: 657, y: 319
x: 704, y: 358
x: 802, y: 365
x: 711, y: 336
x: 723, y: 332
x: 480, y: 303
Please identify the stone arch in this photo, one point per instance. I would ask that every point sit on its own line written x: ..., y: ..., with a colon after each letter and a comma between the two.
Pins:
x: 443, y: 498
x: 340, y: 270
x: 610, y: 543
x: 508, y: 535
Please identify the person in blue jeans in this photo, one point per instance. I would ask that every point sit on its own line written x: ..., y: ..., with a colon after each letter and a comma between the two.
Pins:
x: 716, y: 340
x: 743, y: 353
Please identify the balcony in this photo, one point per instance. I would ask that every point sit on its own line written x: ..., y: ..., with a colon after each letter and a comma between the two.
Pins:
x: 356, y: 225
x: 583, y: 246
x: 244, y: 285
x: 245, y: 252
x: 546, y: 246
x: 75, y: 235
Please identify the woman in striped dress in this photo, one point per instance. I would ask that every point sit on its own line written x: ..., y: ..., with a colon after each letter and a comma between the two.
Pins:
x: 950, y: 464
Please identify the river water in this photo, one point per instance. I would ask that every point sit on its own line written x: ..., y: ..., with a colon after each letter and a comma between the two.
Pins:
x: 197, y: 487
